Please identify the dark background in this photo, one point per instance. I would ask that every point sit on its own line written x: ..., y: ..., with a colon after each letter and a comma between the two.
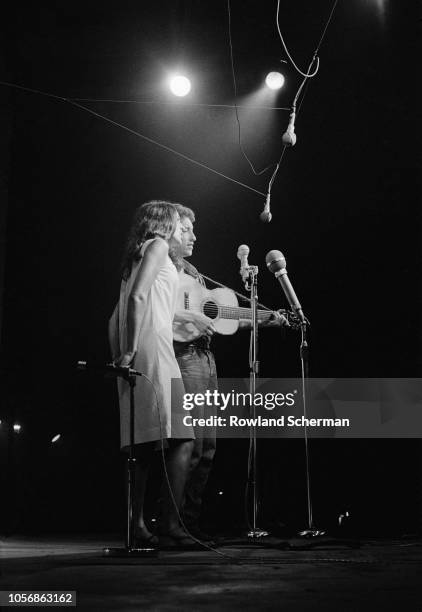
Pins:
x: 346, y: 213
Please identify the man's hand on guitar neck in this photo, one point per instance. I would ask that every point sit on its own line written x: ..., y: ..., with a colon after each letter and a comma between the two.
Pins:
x: 277, y: 320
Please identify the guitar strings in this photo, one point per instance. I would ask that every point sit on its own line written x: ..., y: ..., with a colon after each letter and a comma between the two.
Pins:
x: 232, y: 312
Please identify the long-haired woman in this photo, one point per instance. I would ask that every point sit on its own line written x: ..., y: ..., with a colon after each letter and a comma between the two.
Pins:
x: 141, y: 336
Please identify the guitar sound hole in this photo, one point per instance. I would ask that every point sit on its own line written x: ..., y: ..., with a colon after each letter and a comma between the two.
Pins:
x: 210, y: 309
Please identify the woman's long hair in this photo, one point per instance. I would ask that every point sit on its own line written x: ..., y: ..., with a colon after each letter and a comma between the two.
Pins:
x: 155, y: 218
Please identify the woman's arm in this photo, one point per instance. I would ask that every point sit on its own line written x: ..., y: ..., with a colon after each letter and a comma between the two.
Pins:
x: 152, y: 261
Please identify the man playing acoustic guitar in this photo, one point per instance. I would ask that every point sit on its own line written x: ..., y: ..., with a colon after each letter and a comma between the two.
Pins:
x: 192, y: 332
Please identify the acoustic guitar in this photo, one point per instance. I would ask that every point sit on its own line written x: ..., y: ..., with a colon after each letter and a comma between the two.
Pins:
x: 220, y: 305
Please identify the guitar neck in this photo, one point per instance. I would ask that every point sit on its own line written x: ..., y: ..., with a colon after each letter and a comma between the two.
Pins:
x: 236, y: 312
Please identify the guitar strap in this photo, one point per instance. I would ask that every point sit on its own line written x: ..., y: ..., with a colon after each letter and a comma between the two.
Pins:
x: 192, y: 271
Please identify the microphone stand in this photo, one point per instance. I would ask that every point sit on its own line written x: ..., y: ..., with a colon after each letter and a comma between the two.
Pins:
x: 129, y: 550
x: 311, y: 531
x: 251, y: 284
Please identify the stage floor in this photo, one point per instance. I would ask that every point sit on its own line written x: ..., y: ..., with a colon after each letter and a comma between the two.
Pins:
x: 272, y: 574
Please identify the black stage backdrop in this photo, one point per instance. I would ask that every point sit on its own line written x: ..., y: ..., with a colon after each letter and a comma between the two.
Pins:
x: 346, y: 213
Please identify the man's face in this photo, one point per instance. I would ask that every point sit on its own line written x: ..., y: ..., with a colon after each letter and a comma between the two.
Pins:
x: 188, y: 237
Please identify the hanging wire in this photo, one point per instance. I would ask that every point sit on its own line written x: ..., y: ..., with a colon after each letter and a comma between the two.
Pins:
x: 75, y: 102
x: 303, y: 85
x: 333, y: 8
x: 307, y: 74
x: 274, y: 174
x: 31, y: 90
x: 163, y: 103
x: 272, y: 179
x: 165, y: 147
x: 304, y: 74
x: 314, y: 58
x: 135, y: 133
x: 256, y: 172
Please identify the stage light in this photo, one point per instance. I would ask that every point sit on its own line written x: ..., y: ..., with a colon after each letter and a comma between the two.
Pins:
x: 220, y: 492
x: 180, y: 85
x: 56, y: 438
x: 274, y: 80
x: 16, y: 427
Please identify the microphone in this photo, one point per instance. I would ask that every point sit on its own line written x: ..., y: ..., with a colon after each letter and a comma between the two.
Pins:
x: 266, y: 216
x: 289, y: 136
x: 242, y: 254
x: 276, y: 263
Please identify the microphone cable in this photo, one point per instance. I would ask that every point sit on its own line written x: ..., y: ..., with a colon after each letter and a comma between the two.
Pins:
x: 306, y: 76
x: 256, y: 172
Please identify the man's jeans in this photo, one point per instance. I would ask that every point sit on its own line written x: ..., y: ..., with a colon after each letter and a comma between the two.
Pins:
x: 199, y: 375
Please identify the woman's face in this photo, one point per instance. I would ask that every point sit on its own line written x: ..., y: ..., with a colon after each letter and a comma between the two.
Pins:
x: 176, y: 238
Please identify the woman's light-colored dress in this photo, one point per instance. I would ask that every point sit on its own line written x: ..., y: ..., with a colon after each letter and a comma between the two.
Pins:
x: 154, y: 358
